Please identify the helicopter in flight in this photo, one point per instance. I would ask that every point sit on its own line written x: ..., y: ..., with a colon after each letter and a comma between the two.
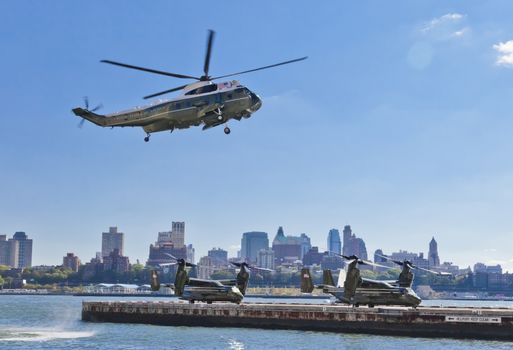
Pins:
x: 205, y: 290
x: 203, y: 102
x: 354, y: 290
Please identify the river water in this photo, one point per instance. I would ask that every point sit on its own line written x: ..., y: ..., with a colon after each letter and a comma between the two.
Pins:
x: 53, y: 322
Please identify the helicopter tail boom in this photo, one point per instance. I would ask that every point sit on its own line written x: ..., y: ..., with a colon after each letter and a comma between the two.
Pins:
x: 97, y: 119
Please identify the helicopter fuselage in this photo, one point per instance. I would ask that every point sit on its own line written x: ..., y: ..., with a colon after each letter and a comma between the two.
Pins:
x: 202, y: 103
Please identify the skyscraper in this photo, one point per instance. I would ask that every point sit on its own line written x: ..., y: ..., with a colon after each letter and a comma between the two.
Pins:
x: 353, y: 245
x: 178, y: 234
x: 9, y: 250
x: 433, y: 258
x: 334, y: 244
x: 19, y: 249
x: 290, y: 248
x: 112, y: 240
x: 251, y: 243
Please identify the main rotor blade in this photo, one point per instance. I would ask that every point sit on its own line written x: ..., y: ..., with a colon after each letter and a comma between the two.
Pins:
x: 209, y: 50
x: 164, y: 92
x: 181, y: 76
x: 254, y: 70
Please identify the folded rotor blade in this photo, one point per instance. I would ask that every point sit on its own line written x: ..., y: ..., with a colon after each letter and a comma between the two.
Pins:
x: 400, y: 263
x: 254, y: 70
x: 190, y: 264
x: 261, y: 269
x: 434, y: 272
x: 181, y: 76
x: 207, y: 55
x: 167, y: 264
x: 171, y: 256
x: 367, y: 262
x: 164, y: 92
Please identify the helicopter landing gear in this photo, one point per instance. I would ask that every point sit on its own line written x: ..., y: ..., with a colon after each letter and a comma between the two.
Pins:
x: 219, y: 114
x: 147, y: 138
x: 227, y: 130
x: 191, y: 301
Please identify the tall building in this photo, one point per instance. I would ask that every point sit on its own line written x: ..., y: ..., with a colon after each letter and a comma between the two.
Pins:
x: 16, y: 251
x: 334, y: 243
x: 251, y: 243
x: 8, y: 251
x: 116, y: 262
x: 433, y: 258
x: 190, y: 253
x: 265, y: 259
x: 352, y: 244
x: 71, y: 261
x: 219, y: 256
x: 313, y: 257
x: 178, y: 234
x: 112, y: 240
x: 290, y: 248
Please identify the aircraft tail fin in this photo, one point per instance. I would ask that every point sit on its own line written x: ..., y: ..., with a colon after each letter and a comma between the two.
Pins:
x: 327, y: 278
x: 242, y: 280
x: 306, y: 281
x: 155, y: 282
x: 341, y: 278
x: 97, y: 119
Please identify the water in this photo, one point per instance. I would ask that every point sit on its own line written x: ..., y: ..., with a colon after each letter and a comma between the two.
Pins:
x: 53, y: 322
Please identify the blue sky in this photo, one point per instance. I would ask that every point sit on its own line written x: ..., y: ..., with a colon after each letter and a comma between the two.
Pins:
x: 399, y: 124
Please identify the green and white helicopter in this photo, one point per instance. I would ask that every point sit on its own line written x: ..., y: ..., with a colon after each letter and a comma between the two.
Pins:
x: 201, y: 103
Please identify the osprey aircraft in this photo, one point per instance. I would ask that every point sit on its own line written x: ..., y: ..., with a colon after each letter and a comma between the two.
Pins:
x: 197, y: 289
x: 200, y: 103
x: 354, y: 290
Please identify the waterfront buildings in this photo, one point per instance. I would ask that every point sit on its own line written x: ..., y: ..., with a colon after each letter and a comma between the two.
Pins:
x: 116, y: 262
x: 290, y: 248
x: 71, y: 261
x: 265, y: 259
x: 112, y: 240
x: 16, y: 252
x: 219, y: 256
x: 173, y: 243
x: 313, y: 257
x: 251, y: 243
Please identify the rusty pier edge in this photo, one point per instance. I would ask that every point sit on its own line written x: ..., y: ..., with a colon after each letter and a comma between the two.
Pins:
x: 465, y: 323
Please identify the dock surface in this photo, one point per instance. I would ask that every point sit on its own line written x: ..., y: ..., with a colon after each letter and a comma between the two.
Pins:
x: 443, y: 322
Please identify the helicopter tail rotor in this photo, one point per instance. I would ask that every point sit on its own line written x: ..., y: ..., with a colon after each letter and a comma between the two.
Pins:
x: 86, y: 104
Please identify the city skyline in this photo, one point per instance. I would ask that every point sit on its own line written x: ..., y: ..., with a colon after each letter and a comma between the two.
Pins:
x: 350, y: 245
x: 398, y: 123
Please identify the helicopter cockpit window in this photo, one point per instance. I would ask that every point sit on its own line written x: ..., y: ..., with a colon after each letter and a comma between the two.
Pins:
x: 202, y: 89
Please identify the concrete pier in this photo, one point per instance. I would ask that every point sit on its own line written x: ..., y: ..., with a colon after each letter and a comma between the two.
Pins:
x: 449, y: 322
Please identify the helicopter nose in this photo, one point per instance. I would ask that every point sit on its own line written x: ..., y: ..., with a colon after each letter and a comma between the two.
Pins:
x: 256, y: 102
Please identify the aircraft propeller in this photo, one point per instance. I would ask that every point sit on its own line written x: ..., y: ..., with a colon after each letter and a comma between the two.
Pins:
x: 178, y: 261
x: 360, y: 261
x: 86, y: 103
x: 206, y: 66
x: 412, y: 266
x: 251, y: 266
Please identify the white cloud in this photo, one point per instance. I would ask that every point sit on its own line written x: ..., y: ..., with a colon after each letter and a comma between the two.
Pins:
x: 505, y: 51
x: 448, y: 26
